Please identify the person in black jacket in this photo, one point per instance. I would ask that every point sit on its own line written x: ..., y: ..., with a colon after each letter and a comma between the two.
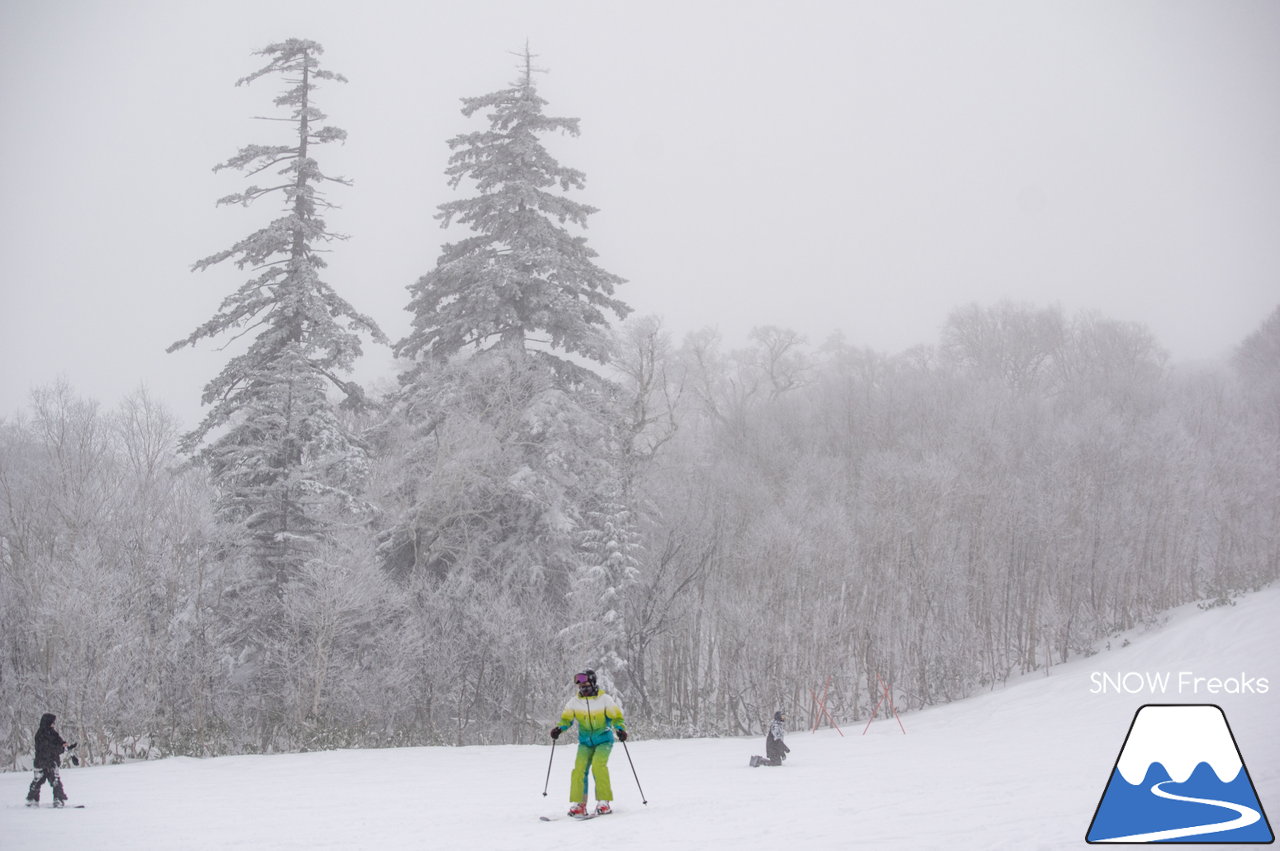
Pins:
x: 49, y: 748
x: 774, y: 747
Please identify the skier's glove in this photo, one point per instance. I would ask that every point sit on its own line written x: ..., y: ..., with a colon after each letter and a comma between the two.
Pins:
x: 75, y: 760
x: 555, y: 732
x: 622, y: 735
x: 72, y: 746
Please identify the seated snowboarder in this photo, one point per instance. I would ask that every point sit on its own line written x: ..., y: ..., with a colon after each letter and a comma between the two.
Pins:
x: 49, y: 748
x: 774, y: 747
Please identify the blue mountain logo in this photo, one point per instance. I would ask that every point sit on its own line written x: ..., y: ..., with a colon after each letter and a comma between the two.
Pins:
x: 1180, y: 778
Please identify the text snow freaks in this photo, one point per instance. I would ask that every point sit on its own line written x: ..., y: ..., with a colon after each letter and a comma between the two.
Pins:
x: 1167, y: 682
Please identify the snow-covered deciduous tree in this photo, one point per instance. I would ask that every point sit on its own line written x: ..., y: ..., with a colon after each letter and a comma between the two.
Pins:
x: 1257, y: 362
x: 336, y: 609
x: 651, y: 393
x: 284, y: 461
x: 102, y: 587
x: 1010, y: 343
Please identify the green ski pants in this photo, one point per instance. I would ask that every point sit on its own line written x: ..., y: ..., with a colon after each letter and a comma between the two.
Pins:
x: 597, y: 759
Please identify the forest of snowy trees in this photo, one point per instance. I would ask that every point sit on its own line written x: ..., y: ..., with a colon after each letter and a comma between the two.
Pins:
x: 553, y: 485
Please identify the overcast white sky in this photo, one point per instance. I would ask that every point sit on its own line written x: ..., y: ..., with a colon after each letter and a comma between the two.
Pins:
x: 861, y: 167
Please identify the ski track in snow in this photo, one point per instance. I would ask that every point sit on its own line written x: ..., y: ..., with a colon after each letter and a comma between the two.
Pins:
x: 1245, y: 817
x: 1021, y: 768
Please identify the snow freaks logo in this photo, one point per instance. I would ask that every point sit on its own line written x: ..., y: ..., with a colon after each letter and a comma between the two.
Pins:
x: 1180, y: 778
x: 1185, y: 683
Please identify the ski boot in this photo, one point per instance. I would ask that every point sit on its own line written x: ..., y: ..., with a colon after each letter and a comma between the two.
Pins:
x: 31, y: 803
x: 59, y: 803
x: 578, y: 809
x: 603, y: 808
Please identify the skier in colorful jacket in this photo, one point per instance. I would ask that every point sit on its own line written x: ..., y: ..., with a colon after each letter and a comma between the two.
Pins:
x: 597, y: 715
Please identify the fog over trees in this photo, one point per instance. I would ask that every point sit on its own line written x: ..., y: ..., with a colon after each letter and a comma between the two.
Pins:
x: 552, y: 485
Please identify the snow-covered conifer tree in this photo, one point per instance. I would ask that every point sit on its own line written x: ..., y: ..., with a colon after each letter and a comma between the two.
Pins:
x: 275, y: 446
x: 521, y: 276
x: 519, y: 296
x: 608, y: 570
x: 510, y: 438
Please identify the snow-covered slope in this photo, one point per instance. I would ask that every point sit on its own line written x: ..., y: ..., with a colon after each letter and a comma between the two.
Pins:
x: 1020, y: 768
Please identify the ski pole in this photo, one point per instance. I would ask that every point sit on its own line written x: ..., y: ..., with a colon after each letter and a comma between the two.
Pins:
x: 627, y: 751
x: 553, y: 756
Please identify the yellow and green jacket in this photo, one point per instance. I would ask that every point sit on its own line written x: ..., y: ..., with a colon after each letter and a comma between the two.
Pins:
x: 597, y: 717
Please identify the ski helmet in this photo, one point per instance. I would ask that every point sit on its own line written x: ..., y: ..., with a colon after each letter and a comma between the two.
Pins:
x: 586, y: 678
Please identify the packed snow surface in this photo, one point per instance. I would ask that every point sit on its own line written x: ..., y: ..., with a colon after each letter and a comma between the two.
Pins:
x: 1018, y: 768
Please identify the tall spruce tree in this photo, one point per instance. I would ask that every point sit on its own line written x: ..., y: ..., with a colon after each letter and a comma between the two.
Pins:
x: 512, y: 438
x: 275, y: 445
x: 521, y: 276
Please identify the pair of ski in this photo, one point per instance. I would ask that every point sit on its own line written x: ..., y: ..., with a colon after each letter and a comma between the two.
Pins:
x: 583, y: 817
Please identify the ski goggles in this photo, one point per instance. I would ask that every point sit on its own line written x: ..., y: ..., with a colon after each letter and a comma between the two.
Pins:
x: 581, y: 679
